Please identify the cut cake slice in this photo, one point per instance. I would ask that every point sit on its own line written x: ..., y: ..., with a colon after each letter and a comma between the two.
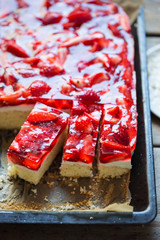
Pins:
x: 79, y: 150
x: 117, y: 141
x: 38, y: 142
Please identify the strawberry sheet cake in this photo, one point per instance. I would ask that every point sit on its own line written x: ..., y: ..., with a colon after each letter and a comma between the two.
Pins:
x: 74, y: 56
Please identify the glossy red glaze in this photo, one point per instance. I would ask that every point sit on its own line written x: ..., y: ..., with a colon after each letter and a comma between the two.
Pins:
x: 59, y: 51
x: 38, y: 136
x: 116, y: 137
x: 83, y: 133
x: 86, y: 43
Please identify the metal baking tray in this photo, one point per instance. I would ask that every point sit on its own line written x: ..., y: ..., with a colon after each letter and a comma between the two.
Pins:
x: 142, y: 183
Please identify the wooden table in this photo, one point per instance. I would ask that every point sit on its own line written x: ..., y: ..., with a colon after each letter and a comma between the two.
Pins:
x: 149, y: 231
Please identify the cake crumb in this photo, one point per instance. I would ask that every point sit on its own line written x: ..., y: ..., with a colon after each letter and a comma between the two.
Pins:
x: 75, y: 180
x: 50, y: 184
x: 70, y: 185
x: 34, y: 191
x: 46, y: 198
x: 82, y: 190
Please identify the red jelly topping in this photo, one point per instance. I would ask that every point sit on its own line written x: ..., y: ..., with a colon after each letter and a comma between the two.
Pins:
x: 83, y: 132
x: 58, y: 52
x: 116, y: 136
x: 72, y: 46
x: 38, y: 136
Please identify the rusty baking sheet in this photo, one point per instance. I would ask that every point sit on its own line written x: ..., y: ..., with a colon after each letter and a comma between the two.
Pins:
x: 85, y: 201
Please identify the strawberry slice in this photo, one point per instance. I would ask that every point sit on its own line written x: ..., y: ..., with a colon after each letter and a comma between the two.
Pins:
x: 92, y: 38
x: 71, y: 142
x: 66, y: 89
x: 104, y: 59
x: 98, y: 78
x: 108, y: 119
x: 12, y: 47
x: 62, y: 55
x: 32, y: 60
x: 51, y: 70
x: 88, y: 40
x: 4, y: 14
x: 79, y: 16
x: 115, y: 29
x: 94, y: 116
x: 109, y: 145
x: 126, y: 92
x: 78, y: 82
x: 37, y: 116
x: 115, y: 59
x: 9, y: 77
x: 111, y: 115
x: 71, y: 42
x: 113, y: 157
x: 124, y: 22
x: 27, y: 73
x: 84, y: 124
x: 78, y: 109
x: 51, y: 18
x: 13, y: 98
x: 87, y: 152
x: 127, y: 76
x: 114, y: 111
x: 38, y: 88
x: 22, y: 4
x: 89, y: 95
x: 121, y: 135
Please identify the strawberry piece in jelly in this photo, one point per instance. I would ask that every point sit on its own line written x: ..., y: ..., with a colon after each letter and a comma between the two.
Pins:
x: 51, y: 18
x: 87, y: 152
x: 38, y: 88
x: 121, y: 135
x: 9, y: 78
x: 22, y: 4
x: 36, y: 117
x: 89, y: 95
x: 84, y: 124
x: 124, y: 22
x: 79, y: 16
x: 12, y: 47
x: 51, y: 70
x: 14, y: 98
x: 79, y: 109
x: 111, y: 151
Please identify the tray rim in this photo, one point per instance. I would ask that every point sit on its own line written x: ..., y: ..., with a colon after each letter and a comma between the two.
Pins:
x: 79, y: 217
